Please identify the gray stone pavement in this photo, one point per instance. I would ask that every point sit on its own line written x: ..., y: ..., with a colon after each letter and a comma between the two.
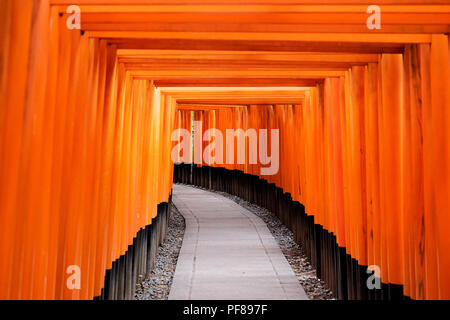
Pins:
x: 228, y: 253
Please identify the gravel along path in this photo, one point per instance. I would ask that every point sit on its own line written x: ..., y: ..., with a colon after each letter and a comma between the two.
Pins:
x: 157, y: 287
x: 315, y: 288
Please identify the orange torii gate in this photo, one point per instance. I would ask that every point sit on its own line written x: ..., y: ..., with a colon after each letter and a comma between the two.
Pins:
x: 85, y: 129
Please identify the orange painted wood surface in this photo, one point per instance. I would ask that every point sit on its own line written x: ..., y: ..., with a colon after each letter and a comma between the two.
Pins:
x: 87, y: 116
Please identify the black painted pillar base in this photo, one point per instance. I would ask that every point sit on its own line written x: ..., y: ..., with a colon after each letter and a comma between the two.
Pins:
x: 138, y: 260
x: 343, y: 274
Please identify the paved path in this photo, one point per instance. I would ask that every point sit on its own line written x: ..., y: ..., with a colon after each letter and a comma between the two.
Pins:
x: 228, y: 253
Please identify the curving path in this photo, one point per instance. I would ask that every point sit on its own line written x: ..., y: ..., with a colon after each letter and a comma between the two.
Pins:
x: 228, y: 253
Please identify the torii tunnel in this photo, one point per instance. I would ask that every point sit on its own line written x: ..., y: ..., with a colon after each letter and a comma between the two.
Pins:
x: 95, y: 94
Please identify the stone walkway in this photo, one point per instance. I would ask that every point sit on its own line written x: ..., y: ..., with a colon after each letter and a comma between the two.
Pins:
x: 228, y: 253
